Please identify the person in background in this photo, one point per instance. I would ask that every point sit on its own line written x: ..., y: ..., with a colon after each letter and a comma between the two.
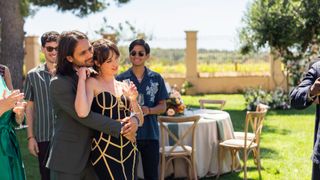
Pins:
x: 11, y: 114
x: 152, y: 98
x: 303, y: 96
x: 69, y: 157
x: 39, y: 112
x: 5, y: 73
x: 117, y: 100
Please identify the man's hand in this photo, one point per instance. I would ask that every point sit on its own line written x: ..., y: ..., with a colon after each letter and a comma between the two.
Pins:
x: 130, y: 128
x: 33, y: 146
x: 315, y: 88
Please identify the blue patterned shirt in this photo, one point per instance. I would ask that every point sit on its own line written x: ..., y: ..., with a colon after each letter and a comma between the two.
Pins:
x: 154, y: 90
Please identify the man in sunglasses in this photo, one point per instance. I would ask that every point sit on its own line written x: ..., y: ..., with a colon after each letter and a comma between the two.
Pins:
x: 152, y: 87
x: 39, y: 111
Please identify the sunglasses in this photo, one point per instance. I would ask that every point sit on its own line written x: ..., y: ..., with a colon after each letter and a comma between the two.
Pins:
x: 50, y: 48
x: 140, y: 53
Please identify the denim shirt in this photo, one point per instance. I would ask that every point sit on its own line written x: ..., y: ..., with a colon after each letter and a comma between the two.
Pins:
x: 154, y: 90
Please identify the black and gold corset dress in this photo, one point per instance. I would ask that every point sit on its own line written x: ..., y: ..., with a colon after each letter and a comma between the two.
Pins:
x: 113, y: 158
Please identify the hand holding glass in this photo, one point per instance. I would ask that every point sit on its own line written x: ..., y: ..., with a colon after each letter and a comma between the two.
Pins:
x: 130, y: 89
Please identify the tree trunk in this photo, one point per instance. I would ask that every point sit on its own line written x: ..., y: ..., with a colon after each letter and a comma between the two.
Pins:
x: 12, y: 37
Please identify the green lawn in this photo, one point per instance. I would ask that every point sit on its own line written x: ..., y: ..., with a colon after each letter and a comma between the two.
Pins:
x: 286, y: 143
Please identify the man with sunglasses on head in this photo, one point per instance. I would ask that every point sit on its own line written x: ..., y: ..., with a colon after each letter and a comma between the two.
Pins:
x: 39, y: 111
x: 151, y: 86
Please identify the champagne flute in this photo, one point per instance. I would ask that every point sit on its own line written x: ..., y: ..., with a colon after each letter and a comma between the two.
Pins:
x: 140, y: 99
x: 127, y: 86
x: 127, y: 82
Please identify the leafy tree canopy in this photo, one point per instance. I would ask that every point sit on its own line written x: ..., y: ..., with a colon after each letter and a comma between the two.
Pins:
x: 290, y: 28
x: 79, y: 7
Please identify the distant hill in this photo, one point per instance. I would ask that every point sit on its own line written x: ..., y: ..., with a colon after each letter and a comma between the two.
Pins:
x: 168, y: 56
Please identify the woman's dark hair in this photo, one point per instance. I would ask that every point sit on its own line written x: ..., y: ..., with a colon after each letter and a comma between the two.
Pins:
x: 66, y: 45
x: 102, y: 49
x: 51, y: 36
x: 140, y: 42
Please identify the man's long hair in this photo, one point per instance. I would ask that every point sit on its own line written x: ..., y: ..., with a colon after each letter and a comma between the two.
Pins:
x: 66, y: 45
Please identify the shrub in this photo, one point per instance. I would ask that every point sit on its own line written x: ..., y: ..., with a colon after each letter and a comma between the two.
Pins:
x: 277, y: 99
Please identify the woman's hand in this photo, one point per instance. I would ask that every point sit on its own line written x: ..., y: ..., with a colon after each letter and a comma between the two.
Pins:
x: 10, y: 101
x: 130, y: 90
x: 83, y: 73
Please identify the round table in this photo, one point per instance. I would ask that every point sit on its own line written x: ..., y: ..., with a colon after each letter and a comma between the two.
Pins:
x: 213, y: 127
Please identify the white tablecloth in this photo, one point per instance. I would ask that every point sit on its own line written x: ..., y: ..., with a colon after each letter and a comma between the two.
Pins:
x: 214, y: 126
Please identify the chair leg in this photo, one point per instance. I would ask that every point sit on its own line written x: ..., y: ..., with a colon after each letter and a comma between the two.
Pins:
x: 162, y: 167
x: 254, y: 151
x: 245, y: 156
x: 258, y: 161
x: 194, y: 168
x: 233, y: 152
x: 189, y: 170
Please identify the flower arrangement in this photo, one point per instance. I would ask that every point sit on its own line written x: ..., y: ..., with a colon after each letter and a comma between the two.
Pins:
x: 175, y: 104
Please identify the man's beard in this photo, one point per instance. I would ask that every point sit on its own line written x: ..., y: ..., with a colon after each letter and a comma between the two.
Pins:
x: 87, y: 63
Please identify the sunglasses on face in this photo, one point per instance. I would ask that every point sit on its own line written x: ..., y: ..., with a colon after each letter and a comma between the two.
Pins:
x: 140, y: 53
x: 50, y: 48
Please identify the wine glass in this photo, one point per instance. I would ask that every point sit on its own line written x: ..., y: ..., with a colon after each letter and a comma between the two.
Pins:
x: 141, y: 99
x: 127, y: 82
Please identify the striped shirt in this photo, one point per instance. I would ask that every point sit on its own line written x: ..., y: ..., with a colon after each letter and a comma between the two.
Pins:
x: 36, y: 89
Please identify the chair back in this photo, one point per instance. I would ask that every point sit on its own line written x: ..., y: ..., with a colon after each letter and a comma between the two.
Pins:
x: 202, y: 103
x: 262, y: 107
x: 254, y: 121
x: 178, y: 141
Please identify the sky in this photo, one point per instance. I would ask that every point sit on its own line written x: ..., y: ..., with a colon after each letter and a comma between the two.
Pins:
x: 217, y: 21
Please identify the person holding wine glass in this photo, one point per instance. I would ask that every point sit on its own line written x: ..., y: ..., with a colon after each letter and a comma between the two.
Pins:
x: 152, y: 97
x: 11, y: 114
x: 103, y: 94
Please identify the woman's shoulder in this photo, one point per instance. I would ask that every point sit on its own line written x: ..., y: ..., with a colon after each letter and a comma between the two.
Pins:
x: 91, y: 80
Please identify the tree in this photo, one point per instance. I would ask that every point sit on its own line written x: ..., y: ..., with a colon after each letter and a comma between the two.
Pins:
x: 12, y: 37
x: 12, y: 13
x: 290, y: 29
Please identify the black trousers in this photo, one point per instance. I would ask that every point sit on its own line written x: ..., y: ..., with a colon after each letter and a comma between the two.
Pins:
x: 43, y: 154
x: 86, y: 174
x: 315, y: 172
x: 149, y: 150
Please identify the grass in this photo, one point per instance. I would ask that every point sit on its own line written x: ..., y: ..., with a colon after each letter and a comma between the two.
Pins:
x: 286, y: 144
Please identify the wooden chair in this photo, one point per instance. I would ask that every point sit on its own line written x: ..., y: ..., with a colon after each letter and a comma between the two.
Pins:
x: 210, y: 101
x: 260, y: 108
x: 253, y: 121
x: 179, y: 149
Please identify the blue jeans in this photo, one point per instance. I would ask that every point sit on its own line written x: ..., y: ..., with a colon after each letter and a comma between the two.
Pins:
x: 149, y: 151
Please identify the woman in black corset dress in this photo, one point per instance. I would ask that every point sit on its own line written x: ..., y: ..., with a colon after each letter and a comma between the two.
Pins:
x: 112, y: 158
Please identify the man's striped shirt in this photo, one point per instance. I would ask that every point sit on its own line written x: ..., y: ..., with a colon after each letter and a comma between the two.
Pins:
x: 36, y: 89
